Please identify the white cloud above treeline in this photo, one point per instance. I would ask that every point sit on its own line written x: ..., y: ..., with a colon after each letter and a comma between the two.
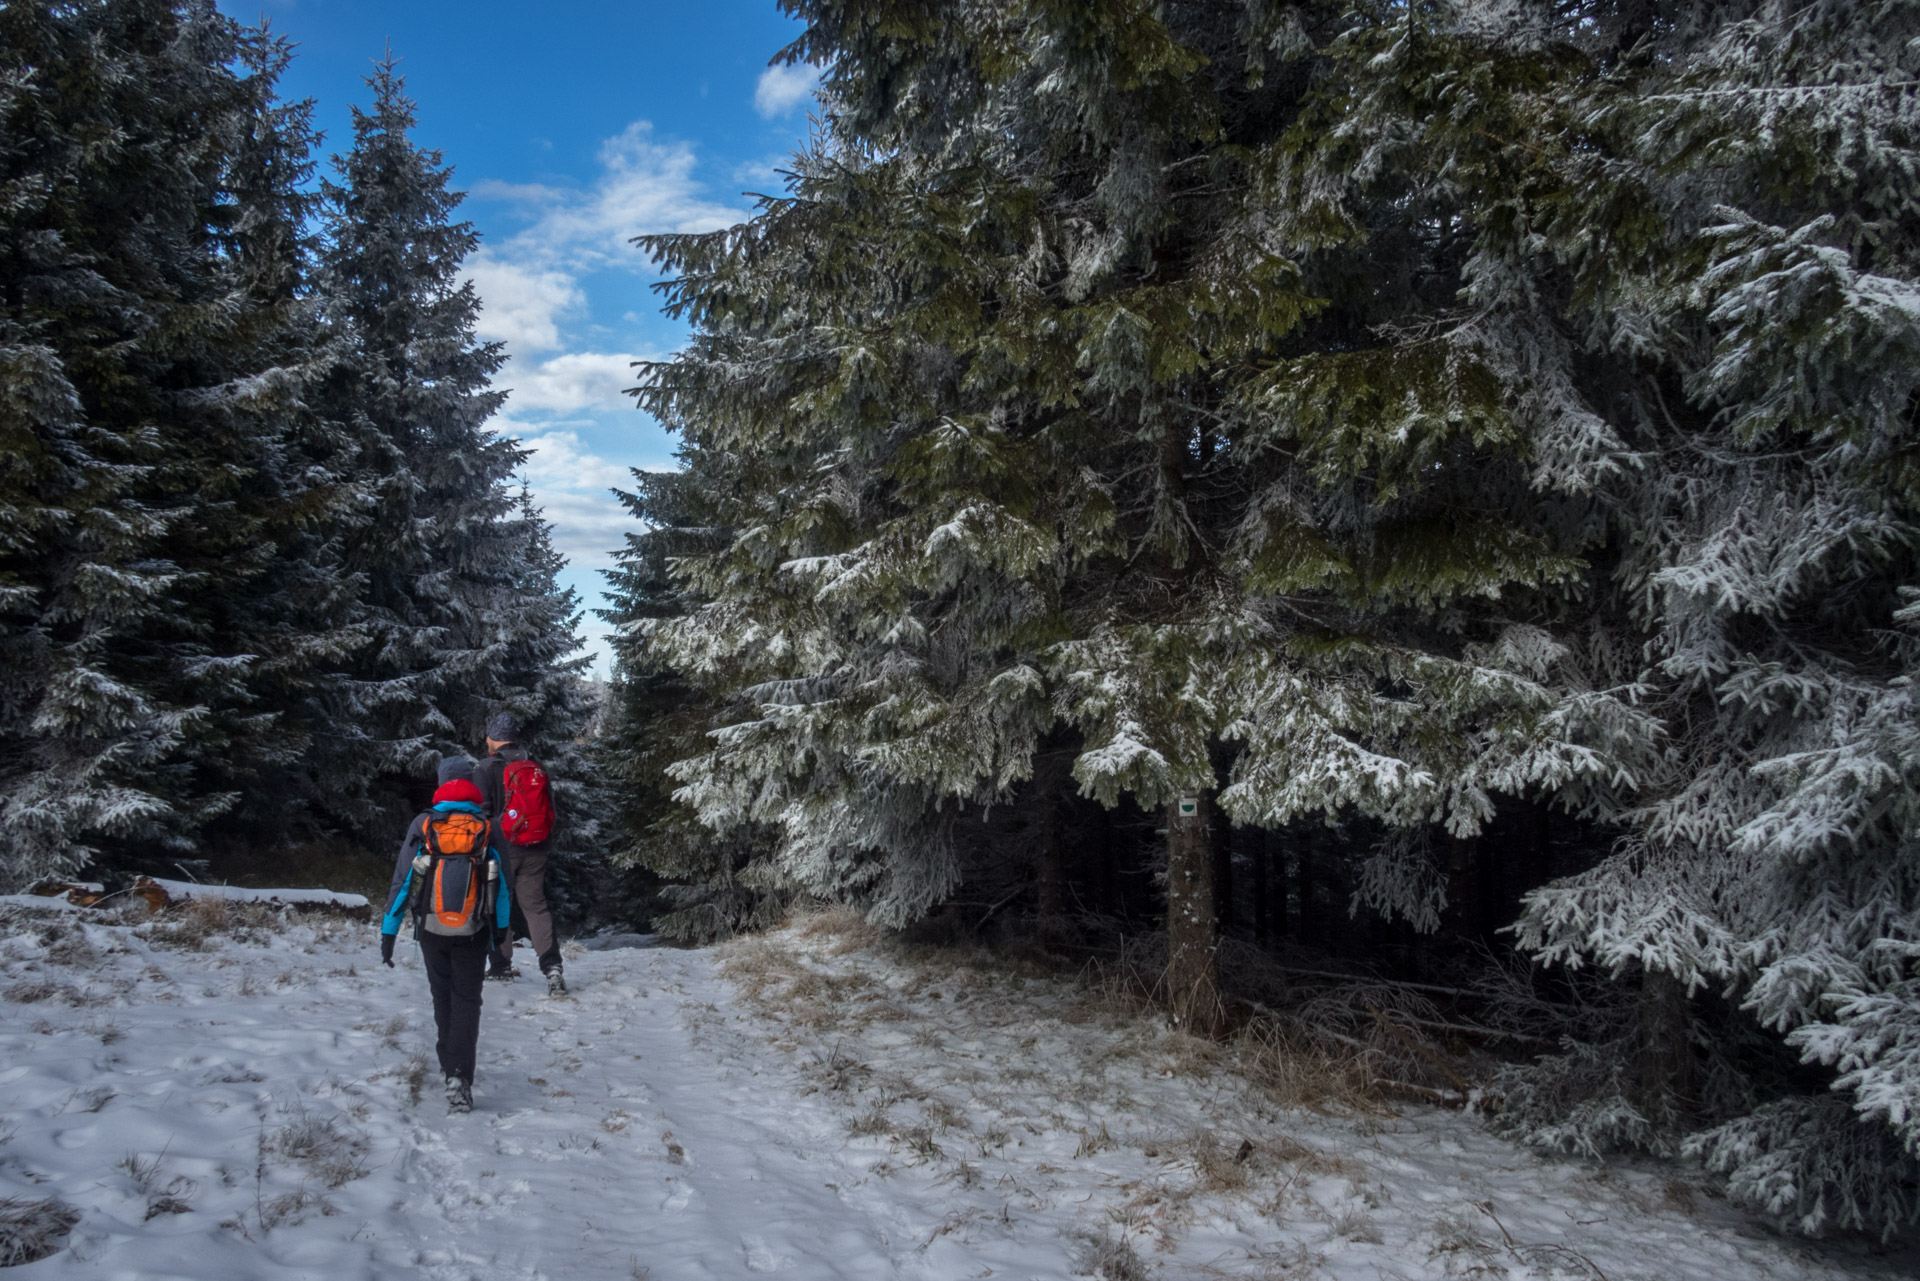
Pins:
x: 566, y: 388
x: 522, y: 305
x: 529, y: 282
x: 781, y: 89
x: 573, y: 485
x: 571, y: 382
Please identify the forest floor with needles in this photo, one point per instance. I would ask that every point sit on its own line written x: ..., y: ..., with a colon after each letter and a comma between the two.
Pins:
x: 226, y: 1092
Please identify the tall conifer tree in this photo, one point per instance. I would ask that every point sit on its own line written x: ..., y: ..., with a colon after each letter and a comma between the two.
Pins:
x: 441, y: 550
x: 1048, y: 420
x: 1695, y: 247
x: 149, y: 247
x: 265, y: 486
x: 1372, y: 411
x: 716, y: 882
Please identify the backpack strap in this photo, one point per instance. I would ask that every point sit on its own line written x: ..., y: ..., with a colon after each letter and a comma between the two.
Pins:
x: 426, y: 836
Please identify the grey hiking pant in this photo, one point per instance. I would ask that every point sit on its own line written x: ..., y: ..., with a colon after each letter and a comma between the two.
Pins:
x: 531, y: 919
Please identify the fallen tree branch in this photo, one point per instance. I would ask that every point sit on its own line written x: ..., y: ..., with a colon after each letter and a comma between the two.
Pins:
x: 1420, y: 1048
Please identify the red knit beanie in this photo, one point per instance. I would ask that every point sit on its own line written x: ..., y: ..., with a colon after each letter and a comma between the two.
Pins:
x: 459, y: 789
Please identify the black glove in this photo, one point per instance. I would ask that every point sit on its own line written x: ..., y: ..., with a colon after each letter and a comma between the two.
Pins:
x: 386, y: 950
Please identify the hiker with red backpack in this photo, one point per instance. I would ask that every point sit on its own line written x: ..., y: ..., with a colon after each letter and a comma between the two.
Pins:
x: 451, y: 879
x: 520, y: 801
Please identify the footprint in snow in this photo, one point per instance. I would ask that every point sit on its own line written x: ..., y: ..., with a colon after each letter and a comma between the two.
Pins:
x: 760, y: 1258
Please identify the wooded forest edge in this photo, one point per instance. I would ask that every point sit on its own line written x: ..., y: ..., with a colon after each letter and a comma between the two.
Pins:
x: 1387, y: 527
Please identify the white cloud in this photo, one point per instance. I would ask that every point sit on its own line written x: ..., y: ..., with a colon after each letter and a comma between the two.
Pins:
x: 522, y: 306
x: 560, y: 462
x: 781, y: 89
x: 587, y: 530
x: 764, y: 176
x: 532, y: 286
x: 529, y: 282
x: 571, y: 485
x: 571, y: 382
x: 644, y: 186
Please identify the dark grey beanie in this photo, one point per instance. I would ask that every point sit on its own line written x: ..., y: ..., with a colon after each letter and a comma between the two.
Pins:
x: 502, y: 728
x: 456, y: 767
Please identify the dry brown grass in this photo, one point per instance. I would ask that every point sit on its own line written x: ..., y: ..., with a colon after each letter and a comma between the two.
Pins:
x: 32, y: 1230
x: 846, y: 926
x: 1220, y: 1166
x: 1111, y: 1259
x: 164, y: 1196
x: 319, y: 1144
x: 782, y: 983
x: 67, y: 945
x: 202, y: 924
x: 44, y: 991
x: 414, y: 1074
x: 1295, y: 1068
x: 1093, y: 1142
x: 1349, y: 1048
x: 388, y: 1030
x: 874, y: 1118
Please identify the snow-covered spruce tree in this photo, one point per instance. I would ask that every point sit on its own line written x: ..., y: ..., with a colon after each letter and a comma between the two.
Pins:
x: 263, y: 617
x: 1051, y: 409
x: 1693, y: 260
x: 147, y: 242
x: 449, y: 602
x: 715, y: 883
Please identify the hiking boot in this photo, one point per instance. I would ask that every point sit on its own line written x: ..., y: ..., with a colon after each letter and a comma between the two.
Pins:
x: 556, y: 984
x: 459, y: 1095
x: 502, y: 973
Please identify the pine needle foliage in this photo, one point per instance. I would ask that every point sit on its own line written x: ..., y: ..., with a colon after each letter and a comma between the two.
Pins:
x: 458, y: 605
x: 1046, y: 412
x: 1379, y: 412
x: 150, y: 248
x: 709, y: 884
x: 260, y: 559
x: 1691, y: 265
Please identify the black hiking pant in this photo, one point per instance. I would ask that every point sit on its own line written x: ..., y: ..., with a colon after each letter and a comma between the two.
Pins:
x: 456, y: 971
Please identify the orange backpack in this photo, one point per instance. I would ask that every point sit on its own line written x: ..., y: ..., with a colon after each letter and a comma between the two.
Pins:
x: 455, y: 847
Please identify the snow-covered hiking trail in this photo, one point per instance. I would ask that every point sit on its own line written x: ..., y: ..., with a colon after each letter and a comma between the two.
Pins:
x: 806, y: 1106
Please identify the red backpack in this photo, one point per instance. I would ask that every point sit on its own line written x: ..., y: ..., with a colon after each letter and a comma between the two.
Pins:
x: 526, y: 806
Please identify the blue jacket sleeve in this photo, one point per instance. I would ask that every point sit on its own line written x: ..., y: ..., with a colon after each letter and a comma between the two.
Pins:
x: 402, y: 880
x: 503, y: 901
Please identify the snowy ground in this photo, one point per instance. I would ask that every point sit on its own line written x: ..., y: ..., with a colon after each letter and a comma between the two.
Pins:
x: 259, y: 1104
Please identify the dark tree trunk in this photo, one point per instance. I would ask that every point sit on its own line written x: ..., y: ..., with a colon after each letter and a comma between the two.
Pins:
x: 1106, y: 896
x: 1539, y: 868
x: 1051, y: 883
x: 1459, y: 910
x: 1193, y: 960
x: 1666, y: 1051
x: 1275, y: 855
x: 1486, y: 908
x: 1303, y: 881
x: 1256, y: 843
x: 1221, y: 832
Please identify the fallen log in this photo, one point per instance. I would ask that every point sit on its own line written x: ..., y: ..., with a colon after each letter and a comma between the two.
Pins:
x: 161, y: 893
x: 78, y: 893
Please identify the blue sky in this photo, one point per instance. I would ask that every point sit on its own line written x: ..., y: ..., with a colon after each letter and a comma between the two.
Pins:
x: 573, y: 125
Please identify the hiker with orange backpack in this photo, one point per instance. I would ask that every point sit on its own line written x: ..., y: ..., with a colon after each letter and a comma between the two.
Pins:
x: 451, y: 879
x: 520, y: 802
